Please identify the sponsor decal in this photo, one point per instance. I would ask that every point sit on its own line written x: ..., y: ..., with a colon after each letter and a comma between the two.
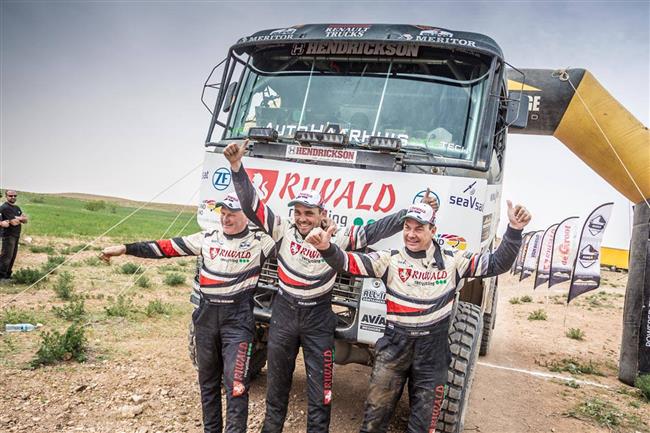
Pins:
x: 487, y: 225
x: 321, y: 154
x: 239, y: 256
x: 596, y: 224
x: 356, y: 135
x: 205, y: 175
x: 565, y: 246
x: 453, y: 241
x: 278, y: 34
x: 375, y: 296
x: 208, y: 205
x: 305, y: 251
x: 470, y: 202
x: 438, y: 277
x: 437, y: 405
x: 374, y: 49
x: 438, y: 36
x: 346, y: 30
x: 373, y: 319
x: 264, y: 181
x: 289, y: 31
x: 588, y: 256
x: 240, y: 372
x: 328, y: 362
x: 221, y: 178
x: 417, y: 198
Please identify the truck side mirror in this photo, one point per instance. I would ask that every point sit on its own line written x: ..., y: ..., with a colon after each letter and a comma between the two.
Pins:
x: 517, y: 111
x: 229, y: 99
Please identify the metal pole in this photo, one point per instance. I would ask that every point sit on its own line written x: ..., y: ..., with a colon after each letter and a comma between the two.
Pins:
x: 635, y: 344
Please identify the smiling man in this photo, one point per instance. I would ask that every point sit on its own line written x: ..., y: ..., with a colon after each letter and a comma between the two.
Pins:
x: 232, y: 258
x: 421, y: 282
x: 302, y: 313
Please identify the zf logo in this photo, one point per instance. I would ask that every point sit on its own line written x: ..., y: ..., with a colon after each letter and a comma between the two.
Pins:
x: 221, y: 179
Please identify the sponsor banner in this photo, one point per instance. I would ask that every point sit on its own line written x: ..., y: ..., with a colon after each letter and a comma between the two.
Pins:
x: 372, y: 311
x: 544, y: 261
x: 346, y: 30
x: 563, y: 251
x: 351, y: 196
x: 347, y: 48
x: 532, y: 254
x: 348, y: 156
x: 438, y: 36
x: 519, y: 261
x: 586, y: 268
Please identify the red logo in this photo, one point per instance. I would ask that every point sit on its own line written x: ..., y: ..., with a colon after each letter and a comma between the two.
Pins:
x: 327, y: 397
x: 404, y: 274
x: 328, y: 361
x: 264, y: 181
x: 295, y: 248
x: 238, y: 389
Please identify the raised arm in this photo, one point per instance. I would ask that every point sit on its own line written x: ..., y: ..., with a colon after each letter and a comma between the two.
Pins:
x: 164, y: 248
x: 488, y: 265
x: 256, y: 211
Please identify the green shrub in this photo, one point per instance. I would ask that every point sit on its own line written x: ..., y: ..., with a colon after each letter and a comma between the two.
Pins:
x: 72, y: 311
x: 112, y: 208
x: 526, y: 298
x: 14, y: 315
x: 143, y: 282
x: 27, y: 275
x: 131, y: 269
x: 56, y: 347
x: 515, y: 301
x: 93, y: 261
x: 605, y: 414
x: 95, y: 205
x: 63, y: 287
x: 37, y: 199
x: 37, y: 249
x: 575, y: 334
x: 72, y: 249
x: 643, y: 383
x: 120, y: 307
x: 538, y: 315
x: 174, y: 279
x: 158, y: 307
x: 52, y: 263
x: 574, y: 366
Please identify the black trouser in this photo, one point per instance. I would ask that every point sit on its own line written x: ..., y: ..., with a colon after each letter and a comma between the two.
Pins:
x: 423, y: 360
x: 8, y: 255
x: 312, y: 328
x: 224, y: 343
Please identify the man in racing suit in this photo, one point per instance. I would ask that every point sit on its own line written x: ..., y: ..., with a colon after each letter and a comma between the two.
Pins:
x: 232, y: 258
x: 302, y: 313
x: 421, y: 283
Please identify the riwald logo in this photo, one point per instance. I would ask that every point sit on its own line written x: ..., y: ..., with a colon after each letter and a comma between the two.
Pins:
x: 404, y: 274
x: 264, y: 181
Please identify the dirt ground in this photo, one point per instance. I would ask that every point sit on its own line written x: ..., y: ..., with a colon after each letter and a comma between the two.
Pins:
x: 138, y: 377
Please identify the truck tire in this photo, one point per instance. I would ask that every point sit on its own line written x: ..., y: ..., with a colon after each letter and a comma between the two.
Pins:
x: 258, y: 358
x: 489, y: 321
x: 465, y: 339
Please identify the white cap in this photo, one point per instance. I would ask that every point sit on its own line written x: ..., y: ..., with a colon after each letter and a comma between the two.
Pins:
x: 230, y: 201
x: 421, y: 212
x: 308, y: 198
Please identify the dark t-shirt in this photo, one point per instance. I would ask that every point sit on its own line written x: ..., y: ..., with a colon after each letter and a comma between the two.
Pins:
x: 9, y: 212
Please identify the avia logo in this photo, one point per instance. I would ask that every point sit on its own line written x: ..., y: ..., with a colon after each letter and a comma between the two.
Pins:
x: 404, y: 274
x: 453, y: 241
x: 596, y: 224
x: 375, y: 319
x: 588, y: 256
x: 221, y: 178
x: 417, y: 198
x: 231, y: 254
x: 264, y: 181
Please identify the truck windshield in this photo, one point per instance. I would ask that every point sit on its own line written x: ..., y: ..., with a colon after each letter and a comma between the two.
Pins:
x: 431, y: 104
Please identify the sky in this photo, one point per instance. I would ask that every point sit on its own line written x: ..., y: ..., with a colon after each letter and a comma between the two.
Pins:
x: 103, y: 97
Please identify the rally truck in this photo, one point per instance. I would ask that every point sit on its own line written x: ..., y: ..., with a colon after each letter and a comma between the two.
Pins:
x: 371, y: 116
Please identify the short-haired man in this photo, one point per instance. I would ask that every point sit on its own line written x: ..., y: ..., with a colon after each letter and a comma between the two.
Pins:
x: 302, y: 313
x: 232, y: 259
x: 11, y: 220
x: 421, y: 282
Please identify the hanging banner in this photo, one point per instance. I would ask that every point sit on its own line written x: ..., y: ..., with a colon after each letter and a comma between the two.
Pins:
x: 532, y: 254
x: 563, y: 251
x: 586, y: 268
x: 544, y: 259
x: 519, y: 261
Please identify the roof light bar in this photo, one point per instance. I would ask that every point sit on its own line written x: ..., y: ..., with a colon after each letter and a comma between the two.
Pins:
x: 263, y: 134
x: 316, y: 137
x: 386, y: 144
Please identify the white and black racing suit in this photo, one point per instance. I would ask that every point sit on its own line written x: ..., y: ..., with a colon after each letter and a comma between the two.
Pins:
x: 302, y: 313
x: 224, y: 322
x: 420, y: 292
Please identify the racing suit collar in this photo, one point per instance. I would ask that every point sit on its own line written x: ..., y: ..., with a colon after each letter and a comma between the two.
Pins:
x: 239, y: 235
x: 431, y: 256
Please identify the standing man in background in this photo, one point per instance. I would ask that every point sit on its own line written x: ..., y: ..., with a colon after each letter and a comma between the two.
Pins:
x: 11, y: 218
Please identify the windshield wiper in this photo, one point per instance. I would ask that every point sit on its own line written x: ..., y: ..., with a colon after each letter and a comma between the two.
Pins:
x: 422, y: 150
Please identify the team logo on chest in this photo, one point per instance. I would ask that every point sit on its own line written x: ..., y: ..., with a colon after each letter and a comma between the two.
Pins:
x: 404, y: 274
x: 294, y: 248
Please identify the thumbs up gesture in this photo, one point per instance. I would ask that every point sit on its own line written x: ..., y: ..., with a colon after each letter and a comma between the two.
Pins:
x: 320, y: 238
x: 234, y: 153
x: 518, y: 216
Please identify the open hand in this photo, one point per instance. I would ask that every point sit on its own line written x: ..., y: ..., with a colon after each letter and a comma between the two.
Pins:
x: 518, y: 216
x: 234, y: 153
x: 320, y: 238
x: 108, y: 252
